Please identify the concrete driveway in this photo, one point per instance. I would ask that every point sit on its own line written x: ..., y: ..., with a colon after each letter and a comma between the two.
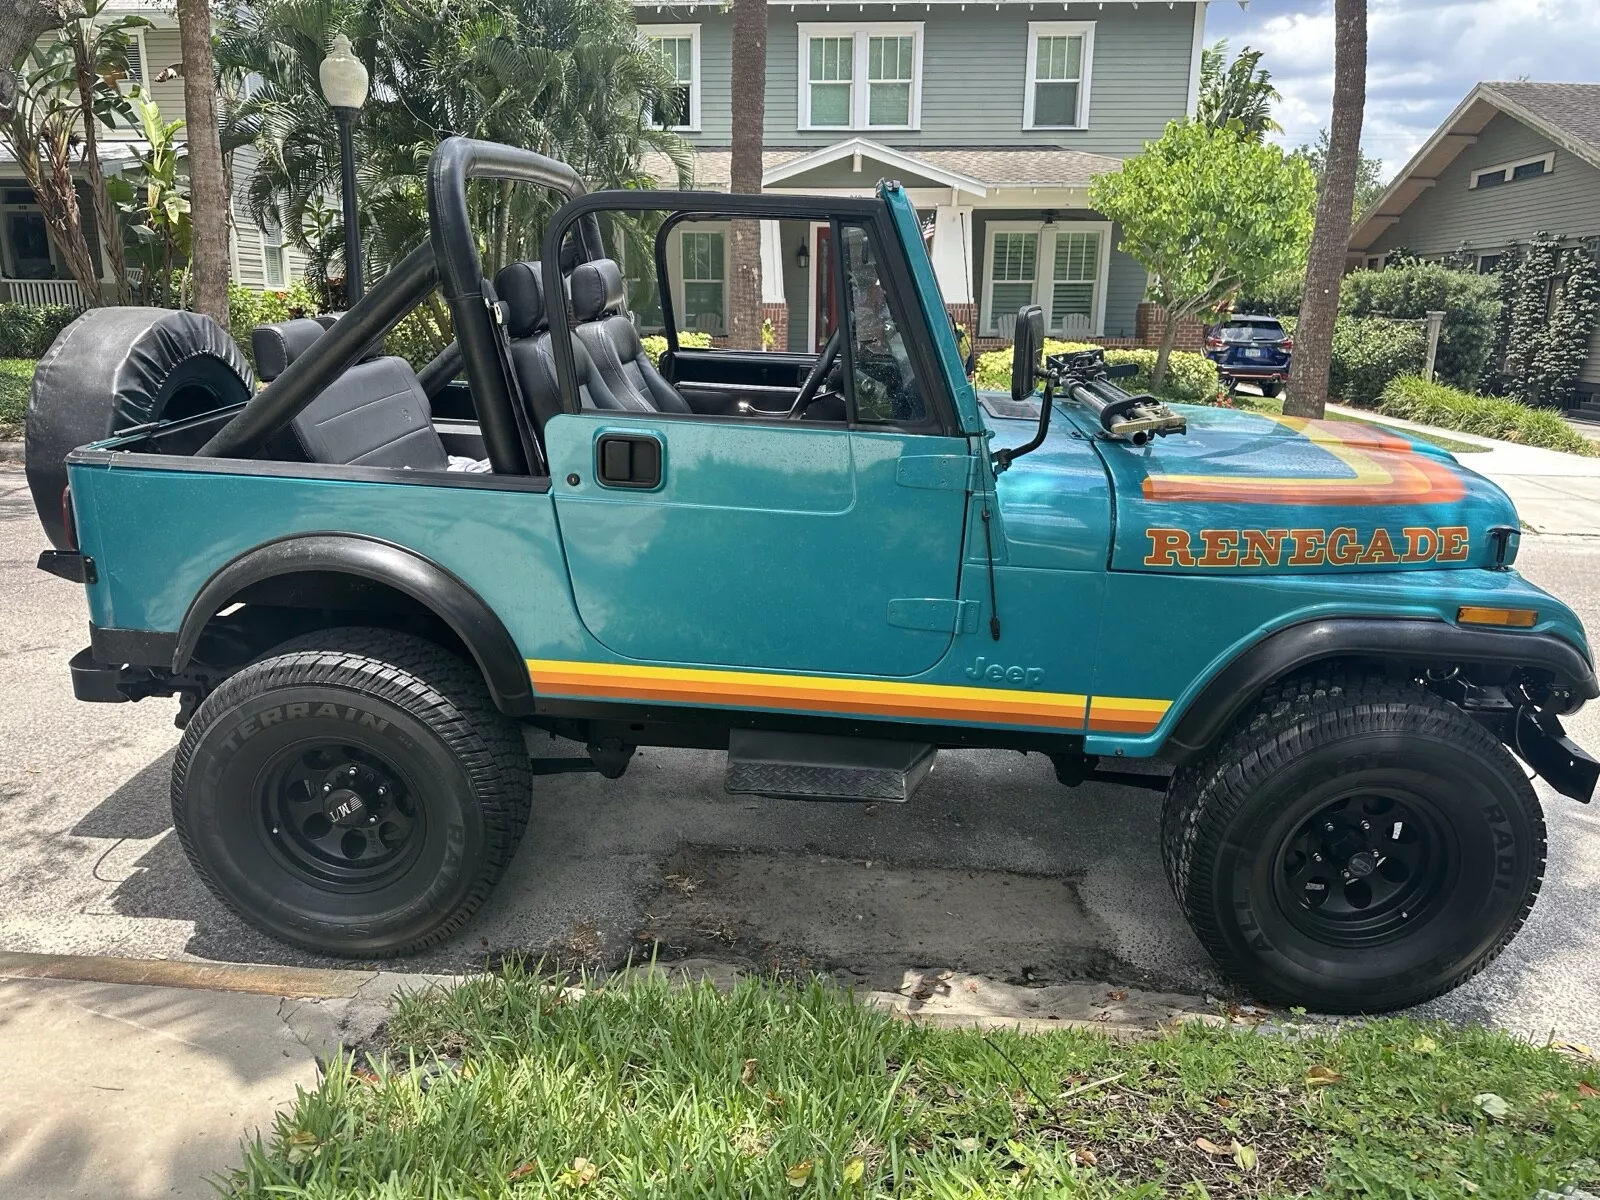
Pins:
x: 994, y: 868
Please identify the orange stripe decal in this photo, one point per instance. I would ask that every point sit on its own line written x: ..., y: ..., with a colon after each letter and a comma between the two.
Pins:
x: 830, y: 694
x: 1384, y: 470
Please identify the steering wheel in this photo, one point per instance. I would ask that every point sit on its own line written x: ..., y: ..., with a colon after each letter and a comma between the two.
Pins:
x: 819, y: 372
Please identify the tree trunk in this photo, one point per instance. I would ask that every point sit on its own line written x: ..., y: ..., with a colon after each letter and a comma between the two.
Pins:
x: 749, y: 91
x: 105, y: 212
x: 1330, y: 240
x: 57, y: 197
x: 208, y: 187
x: 1169, y: 339
x: 22, y: 22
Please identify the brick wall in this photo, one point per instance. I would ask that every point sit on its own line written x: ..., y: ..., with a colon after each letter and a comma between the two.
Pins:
x: 1149, y: 327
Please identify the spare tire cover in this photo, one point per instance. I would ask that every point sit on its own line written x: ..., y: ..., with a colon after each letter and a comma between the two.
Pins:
x: 113, y: 369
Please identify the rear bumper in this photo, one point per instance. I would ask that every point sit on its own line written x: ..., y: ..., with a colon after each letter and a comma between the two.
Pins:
x: 1236, y: 371
x: 94, y: 681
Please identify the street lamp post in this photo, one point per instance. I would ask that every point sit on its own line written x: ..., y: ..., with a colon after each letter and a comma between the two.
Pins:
x: 344, y: 85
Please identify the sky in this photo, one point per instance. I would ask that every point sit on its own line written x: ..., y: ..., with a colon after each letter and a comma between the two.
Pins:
x: 1424, y: 56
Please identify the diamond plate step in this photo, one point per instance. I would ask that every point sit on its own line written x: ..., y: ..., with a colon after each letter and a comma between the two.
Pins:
x: 804, y: 766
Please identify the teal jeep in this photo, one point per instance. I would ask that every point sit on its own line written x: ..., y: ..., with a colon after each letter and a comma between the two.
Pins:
x: 830, y: 564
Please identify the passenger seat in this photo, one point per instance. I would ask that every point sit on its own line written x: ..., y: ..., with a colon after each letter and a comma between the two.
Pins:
x: 605, y: 331
x: 374, y: 415
x: 520, y: 285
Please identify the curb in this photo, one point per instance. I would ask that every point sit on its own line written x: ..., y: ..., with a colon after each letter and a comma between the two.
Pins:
x: 347, y: 1006
x: 11, y: 452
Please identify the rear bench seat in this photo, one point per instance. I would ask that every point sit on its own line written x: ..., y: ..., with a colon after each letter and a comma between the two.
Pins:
x: 374, y: 415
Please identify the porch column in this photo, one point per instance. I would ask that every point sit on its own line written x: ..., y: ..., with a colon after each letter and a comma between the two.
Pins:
x: 952, y: 252
x: 771, y: 263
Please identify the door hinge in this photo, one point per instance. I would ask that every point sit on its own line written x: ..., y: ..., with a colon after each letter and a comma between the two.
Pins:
x: 937, y: 472
x: 935, y: 616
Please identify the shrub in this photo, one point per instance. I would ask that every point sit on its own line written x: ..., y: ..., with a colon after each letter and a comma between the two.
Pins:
x: 26, y: 330
x: 1470, y: 303
x: 417, y: 338
x: 16, y: 380
x: 1279, y: 296
x: 688, y: 339
x: 1412, y: 398
x: 1370, y: 351
x: 1191, y: 378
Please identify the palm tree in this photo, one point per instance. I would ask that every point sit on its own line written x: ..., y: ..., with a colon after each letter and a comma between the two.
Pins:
x: 208, y: 185
x: 1330, y: 240
x: 749, y: 92
x: 568, y: 78
x: 1242, y: 92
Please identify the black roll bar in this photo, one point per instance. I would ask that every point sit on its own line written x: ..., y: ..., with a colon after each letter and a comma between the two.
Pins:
x: 457, y: 160
x: 401, y: 289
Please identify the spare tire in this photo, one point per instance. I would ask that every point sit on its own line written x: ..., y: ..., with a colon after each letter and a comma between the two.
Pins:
x: 112, y: 369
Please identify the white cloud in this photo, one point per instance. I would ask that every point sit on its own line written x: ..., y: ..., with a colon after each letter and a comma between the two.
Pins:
x: 1424, y: 56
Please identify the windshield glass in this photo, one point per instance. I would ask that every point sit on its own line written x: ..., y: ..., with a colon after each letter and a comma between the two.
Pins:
x: 1252, y: 331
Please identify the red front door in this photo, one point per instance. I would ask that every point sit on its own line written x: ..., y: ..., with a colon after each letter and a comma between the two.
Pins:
x: 822, y: 264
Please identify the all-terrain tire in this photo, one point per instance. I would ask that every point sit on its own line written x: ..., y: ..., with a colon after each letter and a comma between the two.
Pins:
x: 1336, y: 787
x: 391, y: 871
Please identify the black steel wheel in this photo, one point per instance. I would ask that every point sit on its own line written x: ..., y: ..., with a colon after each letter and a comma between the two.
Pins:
x: 1357, y: 844
x: 355, y: 792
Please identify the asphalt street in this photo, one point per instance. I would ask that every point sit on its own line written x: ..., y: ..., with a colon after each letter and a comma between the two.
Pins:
x: 994, y: 867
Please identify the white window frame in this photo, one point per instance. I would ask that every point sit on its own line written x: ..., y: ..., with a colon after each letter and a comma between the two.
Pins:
x: 692, y: 32
x: 861, y: 34
x: 136, y: 36
x: 680, y: 307
x: 283, y: 259
x: 1509, y: 168
x: 1044, y: 261
x: 1049, y: 29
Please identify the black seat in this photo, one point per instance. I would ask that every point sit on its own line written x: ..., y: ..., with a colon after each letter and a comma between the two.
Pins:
x: 374, y: 415
x: 520, y: 285
x: 605, y: 331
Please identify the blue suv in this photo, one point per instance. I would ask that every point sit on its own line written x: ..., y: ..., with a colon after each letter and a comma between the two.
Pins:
x: 1251, y: 350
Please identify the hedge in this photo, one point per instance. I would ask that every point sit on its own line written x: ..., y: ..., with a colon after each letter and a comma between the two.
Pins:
x: 689, y: 339
x: 1413, y: 398
x: 1191, y: 378
x: 16, y: 380
x: 26, y: 330
x: 1470, y: 303
x: 1368, y: 352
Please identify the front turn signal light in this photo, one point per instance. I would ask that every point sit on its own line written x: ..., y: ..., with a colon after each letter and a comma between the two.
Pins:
x: 1505, y: 618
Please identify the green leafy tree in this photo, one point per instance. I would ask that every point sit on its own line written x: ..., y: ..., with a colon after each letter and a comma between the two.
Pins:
x: 568, y: 78
x: 1208, y: 214
x: 64, y: 88
x: 1369, y: 174
x: 155, y: 197
x: 1239, y: 91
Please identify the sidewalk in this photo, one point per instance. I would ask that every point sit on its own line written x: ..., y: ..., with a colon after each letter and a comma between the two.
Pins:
x: 1554, y: 492
x: 137, y: 1090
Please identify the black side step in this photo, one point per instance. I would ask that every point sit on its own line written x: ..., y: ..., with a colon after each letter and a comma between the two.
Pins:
x: 807, y: 766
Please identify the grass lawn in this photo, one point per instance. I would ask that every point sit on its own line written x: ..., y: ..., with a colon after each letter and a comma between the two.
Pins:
x: 1262, y: 404
x: 16, y: 377
x: 504, y: 1088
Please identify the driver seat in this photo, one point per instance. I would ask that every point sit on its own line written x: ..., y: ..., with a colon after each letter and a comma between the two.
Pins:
x: 604, y: 330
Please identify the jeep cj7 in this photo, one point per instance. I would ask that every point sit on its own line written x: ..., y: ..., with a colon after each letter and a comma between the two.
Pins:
x: 829, y: 563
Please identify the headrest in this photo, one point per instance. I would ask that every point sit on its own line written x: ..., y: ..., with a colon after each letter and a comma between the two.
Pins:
x: 276, y: 346
x: 596, y: 289
x: 521, y: 286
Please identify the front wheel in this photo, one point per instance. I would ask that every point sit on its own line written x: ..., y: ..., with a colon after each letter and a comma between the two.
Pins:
x: 354, y: 793
x: 1357, y: 844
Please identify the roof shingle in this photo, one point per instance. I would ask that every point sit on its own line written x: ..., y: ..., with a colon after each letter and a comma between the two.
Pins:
x: 1573, y: 108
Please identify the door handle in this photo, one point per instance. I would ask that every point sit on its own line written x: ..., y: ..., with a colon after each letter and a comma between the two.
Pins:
x: 628, y: 460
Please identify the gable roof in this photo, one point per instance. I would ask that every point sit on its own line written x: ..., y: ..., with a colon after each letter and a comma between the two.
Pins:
x: 1566, y: 113
x: 975, y: 170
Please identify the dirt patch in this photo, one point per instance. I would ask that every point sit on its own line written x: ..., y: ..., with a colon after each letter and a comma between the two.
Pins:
x: 801, y: 913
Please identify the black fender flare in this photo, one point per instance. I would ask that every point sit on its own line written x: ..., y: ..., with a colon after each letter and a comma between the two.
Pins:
x: 446, y: 596
x: 1399, y: 640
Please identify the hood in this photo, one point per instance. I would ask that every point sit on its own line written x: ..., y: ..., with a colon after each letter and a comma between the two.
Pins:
x: 1244, y: 493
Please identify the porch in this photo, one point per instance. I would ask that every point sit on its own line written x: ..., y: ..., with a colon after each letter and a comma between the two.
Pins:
x: 62, y: 292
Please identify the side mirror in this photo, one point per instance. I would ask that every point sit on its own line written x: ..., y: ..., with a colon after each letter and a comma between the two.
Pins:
x: 1026, y: 346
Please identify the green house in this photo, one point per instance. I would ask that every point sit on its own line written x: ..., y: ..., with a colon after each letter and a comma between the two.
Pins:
x: 1513, y: 160
x: 995, y: 117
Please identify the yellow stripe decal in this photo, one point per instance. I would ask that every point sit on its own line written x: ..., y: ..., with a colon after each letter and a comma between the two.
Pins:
x: 821, y: 693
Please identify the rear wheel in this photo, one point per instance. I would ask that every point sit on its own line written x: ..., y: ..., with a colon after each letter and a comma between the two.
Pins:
x: 1356, y: 845
x: 1271, y: 388
x: 354, y: 793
